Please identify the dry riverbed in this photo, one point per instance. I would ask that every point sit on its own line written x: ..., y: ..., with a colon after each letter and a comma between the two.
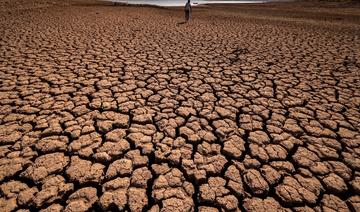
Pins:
x: 248, y: 107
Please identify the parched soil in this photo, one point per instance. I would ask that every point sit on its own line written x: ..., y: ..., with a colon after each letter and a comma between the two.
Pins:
x: 246, y: 108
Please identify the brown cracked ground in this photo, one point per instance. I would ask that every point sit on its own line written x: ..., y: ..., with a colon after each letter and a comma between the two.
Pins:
x: 250, y: 107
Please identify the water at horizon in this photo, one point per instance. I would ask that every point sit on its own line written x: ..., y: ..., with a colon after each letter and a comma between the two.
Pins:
x: 173, y: 3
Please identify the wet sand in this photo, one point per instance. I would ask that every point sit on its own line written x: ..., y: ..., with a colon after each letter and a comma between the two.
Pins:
x: 246, y: 108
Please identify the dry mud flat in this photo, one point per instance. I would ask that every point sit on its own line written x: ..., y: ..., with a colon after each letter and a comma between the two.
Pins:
x: 121, y: 108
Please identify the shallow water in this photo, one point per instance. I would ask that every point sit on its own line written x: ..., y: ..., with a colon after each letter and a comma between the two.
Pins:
x: 173, y: 3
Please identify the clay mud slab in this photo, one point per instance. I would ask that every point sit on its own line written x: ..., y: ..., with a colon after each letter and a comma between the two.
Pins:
x: 246, y: 108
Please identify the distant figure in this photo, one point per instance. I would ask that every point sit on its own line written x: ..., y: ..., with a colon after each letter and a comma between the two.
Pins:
x: 187, y: 11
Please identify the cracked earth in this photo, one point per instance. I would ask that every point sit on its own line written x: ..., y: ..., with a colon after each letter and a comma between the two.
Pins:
x: 121, y: 108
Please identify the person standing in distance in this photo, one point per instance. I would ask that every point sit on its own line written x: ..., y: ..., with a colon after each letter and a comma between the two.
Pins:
x: 187, y: 11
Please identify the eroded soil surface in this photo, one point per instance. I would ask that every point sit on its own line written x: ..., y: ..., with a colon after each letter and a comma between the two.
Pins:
x: 122, y: 108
